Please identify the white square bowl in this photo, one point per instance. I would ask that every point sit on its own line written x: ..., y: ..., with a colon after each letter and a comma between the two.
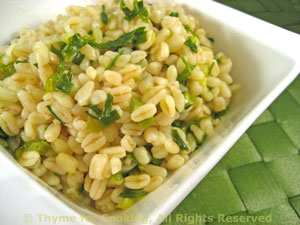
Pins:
x: 266, y: 59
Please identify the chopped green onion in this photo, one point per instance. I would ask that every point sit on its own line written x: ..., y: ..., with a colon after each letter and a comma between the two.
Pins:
x: 187, y: 70
x: 50, y: 83
x: 75, y: 43
x: 178, y: 140
x: 64, y: 82
x: 191, y: 42
x: 21, y: 61
x: 189, y: 29
x: 135, y: 37
x: 218, y: 114
x: 39, y: 146
x: 132, y: 193
x: 113, y: 61
x: 174, y: 14
x: 199, y: 134
x: 117, y: 176
x: 144, y: 124
x: 108, y: 105
x: 134, y: 104
x: 106, y: 117
x: 95, y: 109
x: 127, y: 203
x: 211, y: 67
x: 104, y: 17
x: 7, y: 70
x: 3, y: 134
x: 80, y: 189
x: 56, y: 174
x: 78, y: 58
x: 189, y: 99
x: 205, y: 69
x: 114, y: 116
x: 156, y: 162
x: 143, y: 13
x: 60, y: 81
x: 53, y: 113
x: 178, y: 123
x: 3, y: 143
x: 94, y: 125
x: 56, y: 52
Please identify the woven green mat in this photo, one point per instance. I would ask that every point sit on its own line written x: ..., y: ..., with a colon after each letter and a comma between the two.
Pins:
x: 258, y: 181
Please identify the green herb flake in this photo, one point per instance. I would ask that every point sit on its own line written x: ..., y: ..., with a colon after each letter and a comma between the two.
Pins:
x: 56, y: 174
x: 80, y: 189
x: 132, y: 193
x: 21, y: 61
x: 64, y: 82
x: 56, y: 117
x: 189, y: 29
x: 78, y: 58
x: 56, y: 52
x: 3, y: 143
x: 212, y: 40
x: 211, y: 67
x: 218, y: 114
x: 104, y: 17
x: 36, y: 65
x: 174, y: 14
x: 187, y: 70
x: 107, y: 116
x: 156, y: 161
x: 114, y: 116
x: 178, y: 140
x: 191, y: 42
x: 7, y: 70
x: 113, y: 61
x: 90, y: 32
x: 60, y: 81
x: 138, y: 9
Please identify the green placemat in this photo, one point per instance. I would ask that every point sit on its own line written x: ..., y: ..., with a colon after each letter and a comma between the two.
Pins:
x: 258, y: 181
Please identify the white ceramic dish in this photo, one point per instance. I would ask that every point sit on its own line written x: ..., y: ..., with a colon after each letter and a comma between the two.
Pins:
x: 266, y: 59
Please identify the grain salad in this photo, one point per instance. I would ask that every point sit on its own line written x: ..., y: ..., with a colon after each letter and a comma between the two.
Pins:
x: 103, y: 103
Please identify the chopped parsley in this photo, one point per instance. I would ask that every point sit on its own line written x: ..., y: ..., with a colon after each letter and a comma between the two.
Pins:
x: 138, y: 9
x: 174, y: 14
x: 106, y: 116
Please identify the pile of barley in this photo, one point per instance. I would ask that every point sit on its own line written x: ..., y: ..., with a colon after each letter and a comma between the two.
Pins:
x: 102, y: 103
